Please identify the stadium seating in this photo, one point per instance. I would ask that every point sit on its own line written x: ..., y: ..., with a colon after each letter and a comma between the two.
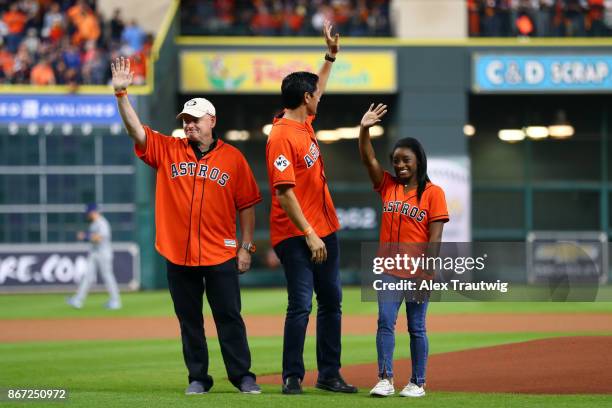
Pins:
x: 541, y: 18
x: 66, y: 42
x: 284, y: 17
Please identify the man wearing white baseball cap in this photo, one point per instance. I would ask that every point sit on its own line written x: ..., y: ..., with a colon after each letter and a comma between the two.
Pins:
x: 202, y: 182
x: 197, y: 107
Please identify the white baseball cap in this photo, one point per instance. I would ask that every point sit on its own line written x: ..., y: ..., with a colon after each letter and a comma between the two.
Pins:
x: 197, y: 107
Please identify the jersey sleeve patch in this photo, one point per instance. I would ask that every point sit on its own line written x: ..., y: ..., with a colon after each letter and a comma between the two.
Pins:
x: 281, y: 163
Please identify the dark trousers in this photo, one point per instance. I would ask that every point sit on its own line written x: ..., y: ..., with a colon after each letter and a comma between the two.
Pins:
x: 303, y: 276
x: 187, y: 285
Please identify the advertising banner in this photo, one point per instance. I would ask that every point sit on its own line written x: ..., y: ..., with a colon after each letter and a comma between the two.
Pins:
x: 579, y: 255
x: 263, y: 72
x: 74, y: 109
x: 453, y: 175
x: 60, y: 267
x: 493, y: 73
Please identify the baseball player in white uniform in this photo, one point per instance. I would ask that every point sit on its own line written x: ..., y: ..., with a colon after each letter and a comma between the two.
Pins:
x: 100, y: 258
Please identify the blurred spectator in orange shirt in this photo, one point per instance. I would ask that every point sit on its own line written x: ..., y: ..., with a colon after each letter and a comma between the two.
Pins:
x: 293, y: 18
x: 138, y: 64
x: 264, y: 22
x: 524, y: 25
x: 87, y: 26
x: 15, y: 22
x: 6, y: 65
x: 473, y: 17
x: 524, y: 14
x: 75, y: 12
x: 225, y: 12
x: 42, y: 73
x: 342, y: 14
x: 56, y: 33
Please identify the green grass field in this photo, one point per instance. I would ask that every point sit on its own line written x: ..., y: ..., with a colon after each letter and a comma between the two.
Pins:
x: 258, y: 302
x: 146, y: 373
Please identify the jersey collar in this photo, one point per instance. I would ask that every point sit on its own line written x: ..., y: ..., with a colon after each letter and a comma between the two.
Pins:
x: 213, y: 146
x: 280, y: 120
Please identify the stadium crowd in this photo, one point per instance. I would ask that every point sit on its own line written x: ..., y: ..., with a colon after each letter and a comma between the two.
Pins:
x: 284, y: 17
x: 541, y: 18
x: 66, y: 42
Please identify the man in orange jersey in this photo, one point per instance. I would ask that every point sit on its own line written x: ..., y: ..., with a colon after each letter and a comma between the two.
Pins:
x: 201, y: 183
x: 303, y: 227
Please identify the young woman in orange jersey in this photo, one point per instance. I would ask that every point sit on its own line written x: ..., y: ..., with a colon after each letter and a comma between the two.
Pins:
x: 414, y: 211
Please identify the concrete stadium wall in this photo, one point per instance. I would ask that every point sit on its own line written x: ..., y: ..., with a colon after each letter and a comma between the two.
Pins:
x: 429, y: 18
x: 148, y: 13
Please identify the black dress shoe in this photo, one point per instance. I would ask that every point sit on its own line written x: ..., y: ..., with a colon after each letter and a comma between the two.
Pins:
x: 335, y: 385
x: 292, y: 385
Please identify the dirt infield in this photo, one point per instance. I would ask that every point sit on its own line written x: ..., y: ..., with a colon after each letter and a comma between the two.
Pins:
x: 167, y: 327
x: 566, y: 365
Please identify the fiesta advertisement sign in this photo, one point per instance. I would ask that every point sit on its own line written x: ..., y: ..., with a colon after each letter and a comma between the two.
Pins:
x: 537, y: 73
x: 263, y: 72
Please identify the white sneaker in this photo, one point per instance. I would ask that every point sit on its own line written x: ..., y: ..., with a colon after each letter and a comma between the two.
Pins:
x: 412, y: 390
x: 113, y: 305
x: 384, y: 388
x: 74, y: 303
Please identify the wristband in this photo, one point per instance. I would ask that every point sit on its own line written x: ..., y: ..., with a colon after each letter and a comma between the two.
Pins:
x: 308, y: 230
x: 121, y: 93
x: 329, y: 58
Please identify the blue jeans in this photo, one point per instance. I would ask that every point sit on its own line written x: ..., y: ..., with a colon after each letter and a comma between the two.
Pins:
x: 388, y: 307
x: 303, y: 276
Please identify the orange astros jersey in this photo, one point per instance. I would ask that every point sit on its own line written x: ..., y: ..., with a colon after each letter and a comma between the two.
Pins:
x: 404, y: 220
x: 294, y: 159
x: 196, y: 201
